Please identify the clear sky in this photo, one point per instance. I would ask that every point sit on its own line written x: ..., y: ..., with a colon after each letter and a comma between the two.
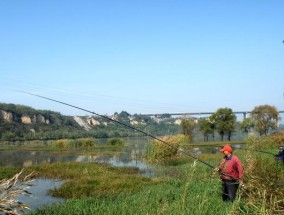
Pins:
x: 147, y: 56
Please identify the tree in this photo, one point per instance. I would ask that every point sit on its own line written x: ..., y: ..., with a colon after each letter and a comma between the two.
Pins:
x: 123, y: 117
x: 165, y: 116
x: 206, y: 127
x: 246, y: 124
x: 224, y: 121
x: 188, y: 125
x: 124, y: 114
x: 264, y: 117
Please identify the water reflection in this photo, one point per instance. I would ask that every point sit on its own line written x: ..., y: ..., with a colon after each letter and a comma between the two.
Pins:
x: 130, y: 156
x: 31, y: 158
x: 40, y: 197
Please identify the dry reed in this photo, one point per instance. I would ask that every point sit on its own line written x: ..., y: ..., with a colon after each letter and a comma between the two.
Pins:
x: 263, y: 178
x: 10, y: 189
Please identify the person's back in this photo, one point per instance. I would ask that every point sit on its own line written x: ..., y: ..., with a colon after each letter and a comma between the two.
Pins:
x: 280, y: 155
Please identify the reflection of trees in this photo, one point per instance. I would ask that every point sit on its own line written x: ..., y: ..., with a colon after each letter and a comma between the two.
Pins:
x: 132, y: 152
x: 22, y: 158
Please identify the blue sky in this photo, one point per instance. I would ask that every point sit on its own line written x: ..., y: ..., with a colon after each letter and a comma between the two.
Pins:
x: 150, y: 56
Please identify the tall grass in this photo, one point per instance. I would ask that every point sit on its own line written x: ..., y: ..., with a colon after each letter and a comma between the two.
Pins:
x: 263, y: 177
x: 156, y: 151
x: 91, y: 180
x: 73, y: 143
x: 196, y: 194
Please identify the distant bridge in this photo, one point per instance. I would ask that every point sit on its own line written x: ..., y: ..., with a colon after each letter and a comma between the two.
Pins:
x: 200, y: 113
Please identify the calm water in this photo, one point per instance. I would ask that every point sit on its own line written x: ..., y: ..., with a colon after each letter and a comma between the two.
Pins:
x: 130, y: 156
x: 40, y: 197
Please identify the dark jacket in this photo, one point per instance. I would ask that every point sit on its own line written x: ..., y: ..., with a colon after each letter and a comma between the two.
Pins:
x: 280, y: 155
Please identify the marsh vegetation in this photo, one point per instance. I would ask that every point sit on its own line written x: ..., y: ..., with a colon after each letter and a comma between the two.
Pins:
x: 180, y: 186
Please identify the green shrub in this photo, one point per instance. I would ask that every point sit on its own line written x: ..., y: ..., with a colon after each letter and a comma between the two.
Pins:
x: 84, y: 142
x: 70, y: 143
x: 158, y: 151
x: 62, y: 143
x: 115, y: 142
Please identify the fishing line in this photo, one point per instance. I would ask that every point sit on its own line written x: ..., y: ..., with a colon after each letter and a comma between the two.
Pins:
x: 270, y: 153
x: 101, y: 96
x: 121, y: 123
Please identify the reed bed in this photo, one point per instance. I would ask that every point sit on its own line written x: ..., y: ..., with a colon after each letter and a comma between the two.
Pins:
x: 84, y: 180
x: 262, y: 192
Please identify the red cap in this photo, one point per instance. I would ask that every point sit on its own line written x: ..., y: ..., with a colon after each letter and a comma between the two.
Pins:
x: 227, y: 148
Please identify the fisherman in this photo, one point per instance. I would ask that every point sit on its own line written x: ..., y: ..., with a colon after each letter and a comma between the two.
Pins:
x: 280, y: 155
x: 231, y: 173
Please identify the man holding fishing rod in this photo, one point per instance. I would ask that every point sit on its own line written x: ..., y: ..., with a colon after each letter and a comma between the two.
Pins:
x: 231, y: 172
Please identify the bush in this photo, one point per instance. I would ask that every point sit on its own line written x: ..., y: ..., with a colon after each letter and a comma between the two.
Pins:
x: 158, y: 151
x: 84, y: 142
x: 66, y: 143
x: 115, y: 142
x: 274, y: 140
x: 62, y: 143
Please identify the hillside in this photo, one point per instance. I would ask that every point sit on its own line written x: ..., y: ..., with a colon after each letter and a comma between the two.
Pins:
x: 19, y: 122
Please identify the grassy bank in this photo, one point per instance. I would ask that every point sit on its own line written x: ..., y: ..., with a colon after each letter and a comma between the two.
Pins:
x: 101, y: 190
x: 91, y: 180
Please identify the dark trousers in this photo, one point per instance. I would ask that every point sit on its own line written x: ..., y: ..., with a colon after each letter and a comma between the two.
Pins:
x: 229, y: 190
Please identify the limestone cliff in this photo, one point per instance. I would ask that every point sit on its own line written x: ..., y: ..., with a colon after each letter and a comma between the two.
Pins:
x: 92, y: 121
x: 6, y: 116
x: 82, y: 123
x: 24, y: 118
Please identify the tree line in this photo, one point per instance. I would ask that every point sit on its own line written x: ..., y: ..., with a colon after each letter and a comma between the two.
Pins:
x: 223, y: 122
x: 262, y: 119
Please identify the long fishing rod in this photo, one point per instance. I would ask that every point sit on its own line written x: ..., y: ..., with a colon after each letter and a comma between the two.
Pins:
x: 270, y: 153
x: 121, y: 123
x: 265, y: 152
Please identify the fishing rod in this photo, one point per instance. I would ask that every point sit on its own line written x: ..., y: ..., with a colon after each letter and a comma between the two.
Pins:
x: 123, y: 124
x: 270, y: 153
x: 265, y: 152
